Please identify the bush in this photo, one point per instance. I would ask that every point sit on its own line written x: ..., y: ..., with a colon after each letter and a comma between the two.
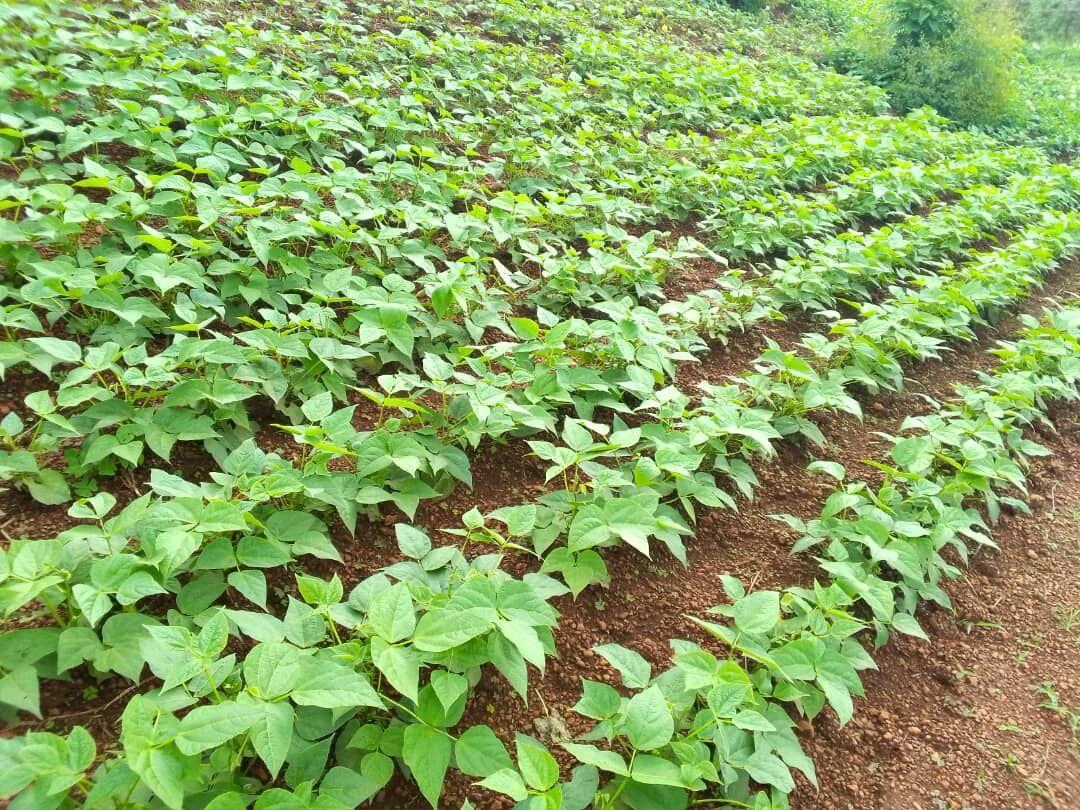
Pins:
x: 959, y: 60
x: 957, y: 56
x: 917, y: 23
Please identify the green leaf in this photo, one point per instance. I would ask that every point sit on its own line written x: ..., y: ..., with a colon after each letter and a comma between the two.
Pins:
x: 258, y: 626
x: 272, y: 669
x: 609, y: 761
x: 634, y: 669
x: 758, y: 612
x: 578, y: 793
x: 732, y: 587
x: 234, y: 800
x: 271, y: 733
x: 913, y: 453
x: 838, y: 694
x: 449, y: 687
x: 214, y: 635
x: 478, y: 752
x: 76, y: 645
x: 507, y: 782
x: 538, y: 767
x: 598, y: 700
x: 307, y: 760
x: 506, y: 658
x: 81, y: 749
x: 768, y: 769
x: 445, y: 629
x: 830, y: 468
x: 630, y: 520
x: 907, y: 625
x: 320, y: 592
x: 649, y: 723
x: 525, y: 638
x: 589, y: 528
x: 49, y: 487
x: 426, y: 752
x: 63, y: 351
x: 750, y: 720
x: 412, y: 542
x: 252, y: 584
x: 352, y: 788
x: 163, y: 771
x: 333, y: 686
x: 19, y: 689
x: 10, y: 232
x: 392, y: 614
x: 304, y: 626
x: 211, y: 726
x: 200, y: 592
x: 725, y: 698
x: 579, y: 571
x: 652, y: 770
x: 399, y: 665
x: 318, y: 407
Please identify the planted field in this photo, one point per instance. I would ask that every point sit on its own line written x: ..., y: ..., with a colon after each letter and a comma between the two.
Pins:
x: 489, y: 403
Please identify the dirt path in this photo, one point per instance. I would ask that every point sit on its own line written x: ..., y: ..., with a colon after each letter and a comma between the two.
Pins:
x: 963, y: 721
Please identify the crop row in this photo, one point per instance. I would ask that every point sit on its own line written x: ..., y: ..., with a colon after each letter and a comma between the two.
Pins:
x: 722, y: 727
x: 1025, y: 259
x: 405, y: 173
x: 852, y: 264
x: 588, y: 75
x: 345, y: 675
x: 635, y: 485
x: 121, y: 399
x: 189, y: 542
x: 119, y: 402
x: 251, y: 228
x: 782, y: 221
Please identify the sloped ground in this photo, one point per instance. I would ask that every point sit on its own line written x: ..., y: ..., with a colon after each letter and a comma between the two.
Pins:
x: 223, y: 238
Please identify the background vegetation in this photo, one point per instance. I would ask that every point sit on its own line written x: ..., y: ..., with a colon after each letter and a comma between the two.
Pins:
x: 1011, y: 67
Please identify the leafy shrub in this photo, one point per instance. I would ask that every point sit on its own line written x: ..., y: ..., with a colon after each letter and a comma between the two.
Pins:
x: 924, y: 22
x: 957, y: 56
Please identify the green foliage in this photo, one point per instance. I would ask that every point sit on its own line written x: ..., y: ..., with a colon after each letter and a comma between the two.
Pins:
x: 283, y: 281
x: 1054, y: 20
x: 1042, y: 106
x: 1047, y: 110
x: 917, y: 23
x: 384, y: 673
x: 747, y: 5
x: 957, y: 56
x: 722, y: 721
x: 835, y: 16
